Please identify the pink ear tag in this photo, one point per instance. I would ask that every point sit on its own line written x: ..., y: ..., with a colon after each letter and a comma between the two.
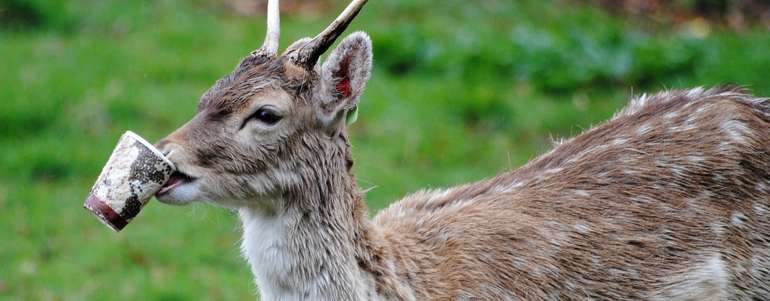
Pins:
x: 343, y: 87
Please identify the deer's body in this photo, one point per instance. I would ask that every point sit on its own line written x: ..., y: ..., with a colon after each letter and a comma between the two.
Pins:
x: 669, y: 200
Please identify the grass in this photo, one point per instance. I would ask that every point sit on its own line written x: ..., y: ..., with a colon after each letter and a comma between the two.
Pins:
x: 459, y: 92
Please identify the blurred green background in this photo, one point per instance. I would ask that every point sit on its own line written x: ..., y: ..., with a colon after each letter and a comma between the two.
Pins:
x: 461, y: 90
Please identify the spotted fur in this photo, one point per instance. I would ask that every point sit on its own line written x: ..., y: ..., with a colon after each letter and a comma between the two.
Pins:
x: 668, y: 200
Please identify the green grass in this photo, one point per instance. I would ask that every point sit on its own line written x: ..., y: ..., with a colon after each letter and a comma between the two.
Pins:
x: 459, y: 92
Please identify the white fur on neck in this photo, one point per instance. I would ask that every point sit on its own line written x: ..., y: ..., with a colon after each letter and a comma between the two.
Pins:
x: 271, y: 246
x: 262, y: 243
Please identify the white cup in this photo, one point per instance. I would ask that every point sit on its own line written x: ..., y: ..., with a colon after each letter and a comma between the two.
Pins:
x: 135, y: 171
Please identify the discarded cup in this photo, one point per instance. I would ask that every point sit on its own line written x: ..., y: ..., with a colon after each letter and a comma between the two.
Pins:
x: 135, y: 171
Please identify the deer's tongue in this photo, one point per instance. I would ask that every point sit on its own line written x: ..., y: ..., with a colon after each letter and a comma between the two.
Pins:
x: 176, y: 179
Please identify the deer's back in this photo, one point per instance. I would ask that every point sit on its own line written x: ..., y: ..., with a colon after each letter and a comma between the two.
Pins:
x: 667, y: 200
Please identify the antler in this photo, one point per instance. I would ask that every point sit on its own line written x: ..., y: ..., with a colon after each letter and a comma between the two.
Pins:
x: 308, y: 55
x: 270, y: 46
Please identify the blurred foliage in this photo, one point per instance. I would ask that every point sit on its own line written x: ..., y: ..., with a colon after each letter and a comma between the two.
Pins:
x: 26, y: 14
x: 460, y: 91
x: 737, y: 14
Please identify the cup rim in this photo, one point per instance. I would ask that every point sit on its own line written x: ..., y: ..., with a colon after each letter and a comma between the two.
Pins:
x: 149, y: 146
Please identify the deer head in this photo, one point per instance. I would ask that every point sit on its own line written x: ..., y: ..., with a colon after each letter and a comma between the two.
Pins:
x: 276, y: 124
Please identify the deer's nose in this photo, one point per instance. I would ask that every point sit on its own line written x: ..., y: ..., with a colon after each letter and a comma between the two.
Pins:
x: 174, y: 140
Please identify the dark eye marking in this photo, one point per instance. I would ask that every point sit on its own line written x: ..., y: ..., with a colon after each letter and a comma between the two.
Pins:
x: 267, y: 115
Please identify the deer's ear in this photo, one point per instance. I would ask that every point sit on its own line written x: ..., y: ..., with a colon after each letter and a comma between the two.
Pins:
x: 344, y: 75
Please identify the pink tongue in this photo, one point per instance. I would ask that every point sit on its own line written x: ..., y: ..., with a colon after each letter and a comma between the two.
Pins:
x: 171, y: 183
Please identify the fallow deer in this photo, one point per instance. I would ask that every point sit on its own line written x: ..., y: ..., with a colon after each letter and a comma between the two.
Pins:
x: 668, y: 200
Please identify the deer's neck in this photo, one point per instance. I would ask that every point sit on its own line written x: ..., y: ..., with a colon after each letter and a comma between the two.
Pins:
x: 317, y: 246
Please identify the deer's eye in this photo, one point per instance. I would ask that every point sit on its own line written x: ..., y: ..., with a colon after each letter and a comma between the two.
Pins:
x: 266, y: 115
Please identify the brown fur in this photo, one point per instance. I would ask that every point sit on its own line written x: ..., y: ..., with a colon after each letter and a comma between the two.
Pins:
x: 604, y: 220
x: 668, y: 200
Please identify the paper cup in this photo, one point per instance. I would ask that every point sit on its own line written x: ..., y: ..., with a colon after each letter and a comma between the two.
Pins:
x: 135, y: 171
